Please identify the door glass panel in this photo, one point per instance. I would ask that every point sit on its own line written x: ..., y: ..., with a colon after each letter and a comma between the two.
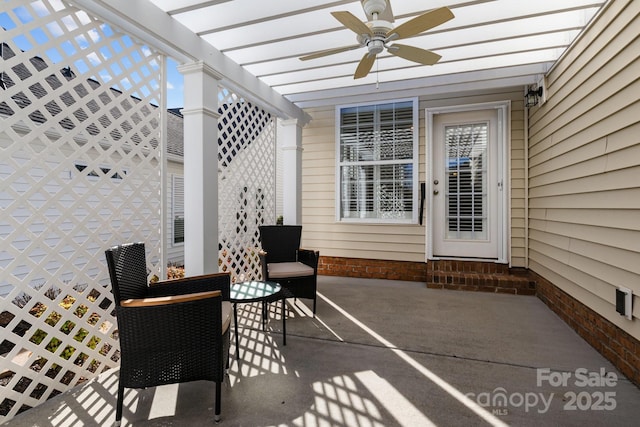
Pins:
x: 466, y: 181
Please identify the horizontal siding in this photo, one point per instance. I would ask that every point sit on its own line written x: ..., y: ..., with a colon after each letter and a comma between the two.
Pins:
x: 517, y: 184
x: 584, y: 148
x: 602, y: 217
x: 396, y: 242
x: 592, y: 183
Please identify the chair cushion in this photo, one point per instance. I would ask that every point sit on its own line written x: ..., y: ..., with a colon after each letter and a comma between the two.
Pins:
x: 226, y: 315
x: 278, y: 270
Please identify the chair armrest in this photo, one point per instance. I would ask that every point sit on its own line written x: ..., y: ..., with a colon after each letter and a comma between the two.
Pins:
x: 193, y: 284
x: 170, y: 331
x: 309, y: 257
x: 172, y: 299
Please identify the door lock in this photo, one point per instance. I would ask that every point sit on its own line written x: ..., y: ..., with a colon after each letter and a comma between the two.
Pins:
x: 436, y: 182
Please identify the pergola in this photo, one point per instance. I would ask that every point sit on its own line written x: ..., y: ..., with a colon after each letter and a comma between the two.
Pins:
x: 83, y: 129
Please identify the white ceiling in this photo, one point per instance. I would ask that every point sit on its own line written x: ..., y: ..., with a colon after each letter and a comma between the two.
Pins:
x: 489, y: 43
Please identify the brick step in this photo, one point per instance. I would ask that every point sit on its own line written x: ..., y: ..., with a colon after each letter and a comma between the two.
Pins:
x: 515, y: 282
x: 479, y: 267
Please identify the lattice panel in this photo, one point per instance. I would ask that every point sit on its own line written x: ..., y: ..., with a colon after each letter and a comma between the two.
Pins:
x: 80, y: 166
x: 247, y: 194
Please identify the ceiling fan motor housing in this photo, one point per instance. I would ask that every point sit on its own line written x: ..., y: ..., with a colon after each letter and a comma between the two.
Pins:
x: 379, y: 29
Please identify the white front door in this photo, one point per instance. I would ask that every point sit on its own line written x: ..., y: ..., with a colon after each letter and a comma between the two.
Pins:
x: 466, y: 191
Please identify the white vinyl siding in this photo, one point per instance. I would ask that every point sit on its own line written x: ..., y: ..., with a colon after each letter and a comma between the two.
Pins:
x: 377, y: 162
x: 584, y: 153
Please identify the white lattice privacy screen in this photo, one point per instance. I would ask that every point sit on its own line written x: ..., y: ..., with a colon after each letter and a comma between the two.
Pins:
x: 80, y: 169
x: 247, y: 192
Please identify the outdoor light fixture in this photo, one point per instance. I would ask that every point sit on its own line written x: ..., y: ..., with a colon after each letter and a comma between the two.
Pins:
x: 533, y: 96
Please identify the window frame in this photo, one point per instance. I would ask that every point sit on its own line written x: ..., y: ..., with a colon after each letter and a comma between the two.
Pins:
x: 415, y: 162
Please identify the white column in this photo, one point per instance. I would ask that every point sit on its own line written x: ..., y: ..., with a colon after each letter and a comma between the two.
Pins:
x: 290, y: 139
x: 200, y: 167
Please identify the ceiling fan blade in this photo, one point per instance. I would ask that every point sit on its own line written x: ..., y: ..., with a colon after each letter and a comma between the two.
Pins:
x: 350, y: 21
x: 386, y: 15
x: 421, y: 23
x: 329, y: 52
x: 414, y: 54
x: 365, y: 65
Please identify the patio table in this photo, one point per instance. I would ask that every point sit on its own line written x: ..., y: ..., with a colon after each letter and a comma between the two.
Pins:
x: 257, y: 291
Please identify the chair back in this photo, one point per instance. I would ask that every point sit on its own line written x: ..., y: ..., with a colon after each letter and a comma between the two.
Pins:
x: 280, y: 241
x: 128, y: 271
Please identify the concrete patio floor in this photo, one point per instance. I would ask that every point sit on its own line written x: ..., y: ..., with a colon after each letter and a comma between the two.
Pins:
x: 383, y: 353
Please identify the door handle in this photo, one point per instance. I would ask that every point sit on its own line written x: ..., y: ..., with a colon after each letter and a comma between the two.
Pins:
x: 435, y: 192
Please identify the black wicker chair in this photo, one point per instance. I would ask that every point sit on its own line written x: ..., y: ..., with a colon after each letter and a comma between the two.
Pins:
x: 283, y: 261
x: 172, y: 331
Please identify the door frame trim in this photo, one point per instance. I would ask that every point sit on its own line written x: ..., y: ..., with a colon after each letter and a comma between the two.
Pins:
x: 503, y: 171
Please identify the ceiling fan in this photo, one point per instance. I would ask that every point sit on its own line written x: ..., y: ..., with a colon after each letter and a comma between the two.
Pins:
x: 377, y: 34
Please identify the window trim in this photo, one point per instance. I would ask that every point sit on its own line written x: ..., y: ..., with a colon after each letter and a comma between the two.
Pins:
x: 415, y: 164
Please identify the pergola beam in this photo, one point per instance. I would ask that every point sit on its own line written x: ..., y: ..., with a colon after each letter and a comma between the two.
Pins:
x: 150, y: 24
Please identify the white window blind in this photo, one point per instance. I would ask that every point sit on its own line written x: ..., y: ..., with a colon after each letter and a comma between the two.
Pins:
x: 466, y: 176
x: 377, y: 162
x: 177, y: 208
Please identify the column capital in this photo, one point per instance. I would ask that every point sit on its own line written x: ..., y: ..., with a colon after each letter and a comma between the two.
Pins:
x: 290, y: 134
x: 199, y: 67
x: 290, y: 122
x: 204, y: 110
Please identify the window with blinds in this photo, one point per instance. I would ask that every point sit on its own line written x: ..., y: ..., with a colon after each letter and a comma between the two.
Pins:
x: 377, y: 162
x: 177, y: 208
x: 466, y: 176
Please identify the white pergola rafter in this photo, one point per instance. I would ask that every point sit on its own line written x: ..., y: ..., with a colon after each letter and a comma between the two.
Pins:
x: 500, y: 36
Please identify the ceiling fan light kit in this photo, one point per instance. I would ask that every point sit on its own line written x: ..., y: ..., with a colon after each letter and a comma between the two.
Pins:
x: 377, y: 34
x: 375, y: 46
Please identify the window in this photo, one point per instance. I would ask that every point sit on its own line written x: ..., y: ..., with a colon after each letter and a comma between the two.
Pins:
x: 377, y: 162
x: 177, y: 208
x: 466, y: 180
